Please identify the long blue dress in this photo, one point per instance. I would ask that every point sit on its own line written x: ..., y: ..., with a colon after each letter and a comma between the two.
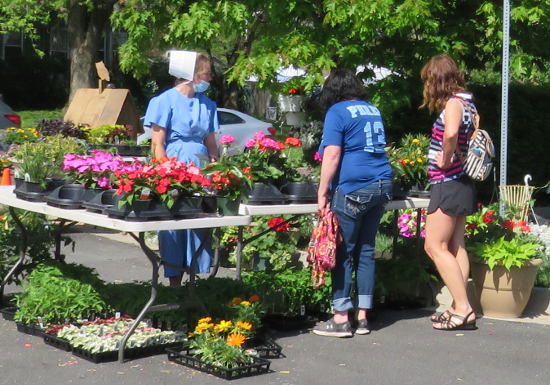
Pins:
x: 187, y: 122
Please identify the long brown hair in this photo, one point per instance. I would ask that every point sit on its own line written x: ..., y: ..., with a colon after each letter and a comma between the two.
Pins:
x: 442, y: 79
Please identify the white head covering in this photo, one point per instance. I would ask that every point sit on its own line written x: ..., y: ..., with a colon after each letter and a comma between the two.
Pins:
x: 182, y: 64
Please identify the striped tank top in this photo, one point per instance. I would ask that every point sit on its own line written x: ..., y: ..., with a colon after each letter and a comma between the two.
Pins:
x: 455, y: 171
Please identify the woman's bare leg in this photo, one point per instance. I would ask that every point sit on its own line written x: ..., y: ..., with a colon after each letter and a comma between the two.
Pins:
x: 440, y: 230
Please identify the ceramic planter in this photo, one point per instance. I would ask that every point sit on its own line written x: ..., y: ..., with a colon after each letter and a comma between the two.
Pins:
x: 503, y: 293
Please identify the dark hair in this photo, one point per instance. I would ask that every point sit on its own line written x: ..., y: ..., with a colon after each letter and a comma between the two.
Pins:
x: 341, y: 84
x: 442, y: 79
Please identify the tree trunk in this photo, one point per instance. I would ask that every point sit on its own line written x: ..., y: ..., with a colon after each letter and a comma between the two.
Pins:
x: 85, y: 28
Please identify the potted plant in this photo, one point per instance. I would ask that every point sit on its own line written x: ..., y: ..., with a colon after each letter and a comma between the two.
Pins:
x: 302, y: 175
x: 34, y: 166
x: 267, y: 166
x: 228, y: 181
x: 409, y: 161
x: 505, y: 258
x: 219, y: 347
x: 291, y: 98
x: 117, y: 136
x: 15, y: 135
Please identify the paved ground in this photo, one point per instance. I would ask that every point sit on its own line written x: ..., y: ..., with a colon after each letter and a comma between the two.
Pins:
x: 403, y: 349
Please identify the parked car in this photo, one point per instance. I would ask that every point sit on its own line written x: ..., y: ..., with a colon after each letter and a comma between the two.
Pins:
x: 8, y: 118
x: 238, y: 124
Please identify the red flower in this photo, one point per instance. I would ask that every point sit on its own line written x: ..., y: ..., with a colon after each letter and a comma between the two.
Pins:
x: 508, y: 224
x: 294, y: 142
x: 488, y: 217
x: 471, y: 226
x: 277, y: 224
x: 292, y: 91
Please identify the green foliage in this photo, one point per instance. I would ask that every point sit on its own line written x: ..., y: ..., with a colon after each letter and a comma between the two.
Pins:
x: 285, y: 292
x: 409, y: 160
x: 401, y: 277
x: 514, y: 252
x: 107, y: 133
x: 279, y: 246
x: 543, y: 275
x: 31, y: 118
x: 38, y: 245
x: 50, y: 295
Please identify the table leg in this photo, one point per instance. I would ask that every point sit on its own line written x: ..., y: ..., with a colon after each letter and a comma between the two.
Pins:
x: 216, y: 235
x: 239, y: 252
x: 153, y: 258
x: 22, y: 252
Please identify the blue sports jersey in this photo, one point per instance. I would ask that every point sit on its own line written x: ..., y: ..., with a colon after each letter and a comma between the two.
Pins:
x: 356, y: 126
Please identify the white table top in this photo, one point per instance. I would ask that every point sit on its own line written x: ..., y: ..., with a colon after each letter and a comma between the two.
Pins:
x: 8, y: 198
x: 308, y: 208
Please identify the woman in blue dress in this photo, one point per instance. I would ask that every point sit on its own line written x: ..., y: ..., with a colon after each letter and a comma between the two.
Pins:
x: 183, y: 121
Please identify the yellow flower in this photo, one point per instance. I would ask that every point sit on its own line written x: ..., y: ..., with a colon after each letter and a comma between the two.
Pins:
x: 203, y: 327
x: 406, y: 161
x: 236, y: 339
x: 416, y: 141
x: 223, y: 326
x: 236, y: 301
x: 254, y: 298
x: 244, y: 325
x: 205, y: 320
x: 245, y: 303
x: 419, y: 160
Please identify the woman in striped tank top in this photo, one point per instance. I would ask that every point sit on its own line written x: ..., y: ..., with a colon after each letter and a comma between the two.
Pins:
x: 452, y: 192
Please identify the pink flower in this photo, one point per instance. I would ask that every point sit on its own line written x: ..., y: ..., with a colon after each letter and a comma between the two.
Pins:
x: 250, y: 143
x: 227, y: 139
x: 317, y: 157
x: 104, y: 182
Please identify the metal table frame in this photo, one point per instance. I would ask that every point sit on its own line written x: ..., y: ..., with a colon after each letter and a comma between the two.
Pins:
x: 8, y: 198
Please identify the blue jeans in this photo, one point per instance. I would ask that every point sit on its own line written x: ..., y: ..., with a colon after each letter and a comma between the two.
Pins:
x: 359, y: 214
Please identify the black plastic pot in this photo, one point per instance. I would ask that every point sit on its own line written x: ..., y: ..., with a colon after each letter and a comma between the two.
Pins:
x: 70, y: 196
x: 265, y: 193
x: 399, y: 191
x: 101, y: 201
x: 29, y: 191
x: 300, y: 192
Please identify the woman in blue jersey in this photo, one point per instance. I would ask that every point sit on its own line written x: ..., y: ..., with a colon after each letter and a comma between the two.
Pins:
x: 452, y: 192
x: 183, y: 121
x: 356, y: 178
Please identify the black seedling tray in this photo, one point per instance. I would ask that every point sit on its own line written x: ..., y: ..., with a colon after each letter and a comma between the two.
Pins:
x: 56, y: 342
x: 184, y: 357
x: 8, y: 312
x: 266, y: 347
x: 30, y: 329
x: 129, y: 353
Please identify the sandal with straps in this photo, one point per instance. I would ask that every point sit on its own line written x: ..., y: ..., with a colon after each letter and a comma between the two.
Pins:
x: 462, y: 324
x: 438, y: 317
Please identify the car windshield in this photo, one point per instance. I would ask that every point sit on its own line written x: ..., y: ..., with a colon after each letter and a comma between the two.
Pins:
x: 228, y: 118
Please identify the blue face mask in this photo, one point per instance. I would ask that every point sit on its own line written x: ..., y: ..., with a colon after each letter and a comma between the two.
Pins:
x: 201, y: 87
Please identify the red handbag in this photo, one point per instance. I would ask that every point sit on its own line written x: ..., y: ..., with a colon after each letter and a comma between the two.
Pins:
x: 321, y: 252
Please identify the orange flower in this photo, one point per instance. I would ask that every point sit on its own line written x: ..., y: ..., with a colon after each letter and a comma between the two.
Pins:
x: 254, y: 298
x: 236, y: 301
x: 244, y: 325
x: 236, y: 339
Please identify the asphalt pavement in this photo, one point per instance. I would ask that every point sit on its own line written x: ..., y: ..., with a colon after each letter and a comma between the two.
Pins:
x: 402, y: 348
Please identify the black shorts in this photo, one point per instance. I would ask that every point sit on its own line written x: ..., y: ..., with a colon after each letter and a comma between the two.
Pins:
x: 455, y: 198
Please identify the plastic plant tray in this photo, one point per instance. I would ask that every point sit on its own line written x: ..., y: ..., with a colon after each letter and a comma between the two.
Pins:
x: 129, y: 353
x: 185, y: 357
x: 56, y: 342
x: 266, y: 347
x: 30, y: 329
x: 69, y: 196
x: 8, y: 312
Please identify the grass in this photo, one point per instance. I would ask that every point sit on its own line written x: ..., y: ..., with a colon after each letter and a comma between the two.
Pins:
x: 30, y: 118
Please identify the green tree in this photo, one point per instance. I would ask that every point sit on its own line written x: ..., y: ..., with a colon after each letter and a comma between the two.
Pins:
x: 85, y: 20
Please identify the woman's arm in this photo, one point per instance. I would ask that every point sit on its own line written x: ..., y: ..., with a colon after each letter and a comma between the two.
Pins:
x: 453, y: 118
x: 210, y: 143
x: 158, y: 141
x: 331, y: 161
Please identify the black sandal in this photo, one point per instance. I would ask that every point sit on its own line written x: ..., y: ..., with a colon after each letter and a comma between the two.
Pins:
x: 439, y: 317
x: 463, y: 323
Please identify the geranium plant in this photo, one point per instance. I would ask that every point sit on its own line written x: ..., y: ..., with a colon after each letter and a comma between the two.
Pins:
x: 227, y: 178
x: 501, y: 241
x: 409, y: 160
x: 265, y: 158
